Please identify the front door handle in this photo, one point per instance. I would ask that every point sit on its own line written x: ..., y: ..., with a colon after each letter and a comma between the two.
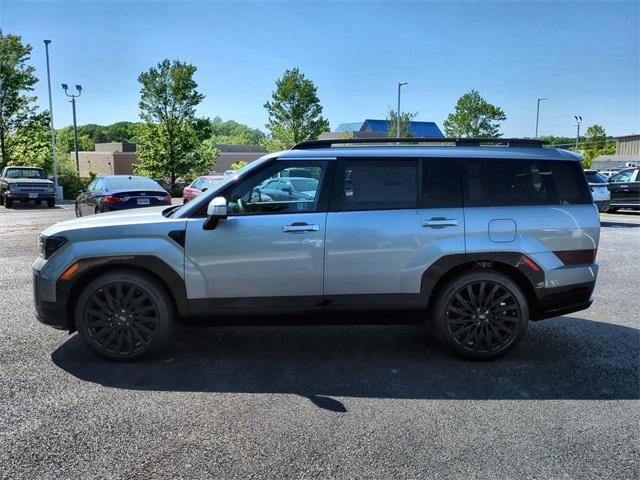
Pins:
x: 440, y: 222
x: 300, y: 227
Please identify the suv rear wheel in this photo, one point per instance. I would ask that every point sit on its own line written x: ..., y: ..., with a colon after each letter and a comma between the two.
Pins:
x: 481, y: 315
x: 124, y: 315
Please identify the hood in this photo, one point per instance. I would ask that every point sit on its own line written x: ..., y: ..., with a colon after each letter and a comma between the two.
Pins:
x: 133, y: 218
x: 28, y: 180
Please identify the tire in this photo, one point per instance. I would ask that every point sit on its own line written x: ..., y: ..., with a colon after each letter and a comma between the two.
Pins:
x: 1, y: 199
x: 475, y: 326
x: 124, y: 316
x: 184, y: 201
x: 77, y: 211
x: 51, y: 203
x: 8, y: 202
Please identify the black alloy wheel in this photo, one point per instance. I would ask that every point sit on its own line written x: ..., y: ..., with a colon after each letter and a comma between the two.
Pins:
x: 482, y: 315
x: 124, y: 316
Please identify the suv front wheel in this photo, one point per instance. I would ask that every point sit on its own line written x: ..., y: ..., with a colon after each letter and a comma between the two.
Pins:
x: 124, y: 315
x: 481, y: 315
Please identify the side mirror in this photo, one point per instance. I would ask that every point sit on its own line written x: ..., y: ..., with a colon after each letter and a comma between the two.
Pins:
x: 81, y: 190
x: 216, y: 211
x: 204, y: 189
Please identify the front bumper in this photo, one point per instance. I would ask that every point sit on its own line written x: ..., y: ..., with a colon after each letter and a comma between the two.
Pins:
x: 48, y: 313
x: 31, y: 195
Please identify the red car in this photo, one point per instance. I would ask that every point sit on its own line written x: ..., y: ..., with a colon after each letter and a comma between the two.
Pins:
x: 200, y: 185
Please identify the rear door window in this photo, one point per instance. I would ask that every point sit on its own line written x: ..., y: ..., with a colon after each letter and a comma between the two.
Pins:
x: 441, y: 183
x: 376, y: 184
x: 502, y: 182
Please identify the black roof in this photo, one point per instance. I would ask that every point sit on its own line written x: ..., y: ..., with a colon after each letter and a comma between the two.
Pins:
x: 457, y: 141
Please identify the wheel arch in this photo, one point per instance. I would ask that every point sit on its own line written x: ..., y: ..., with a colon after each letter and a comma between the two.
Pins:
x: 92, y: 268
x: 507, y: 263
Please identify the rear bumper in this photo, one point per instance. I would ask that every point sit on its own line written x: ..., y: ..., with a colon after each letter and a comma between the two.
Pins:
x: 554, y: 302
x: 129, y: 206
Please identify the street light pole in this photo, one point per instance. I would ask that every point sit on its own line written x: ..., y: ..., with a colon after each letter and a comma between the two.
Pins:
x: 65, y: 87
x: 53, y: 131
x: 538, y: 114
x: 400, y: 84
x: 578, y: 122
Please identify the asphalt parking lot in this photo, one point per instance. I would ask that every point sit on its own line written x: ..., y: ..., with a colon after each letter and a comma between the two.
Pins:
x: 353, y: 401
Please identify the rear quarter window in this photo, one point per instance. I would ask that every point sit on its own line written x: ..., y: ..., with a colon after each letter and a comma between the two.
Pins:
x: 503, y: 182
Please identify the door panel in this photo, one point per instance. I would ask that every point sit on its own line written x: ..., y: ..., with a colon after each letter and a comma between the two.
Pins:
x: 374, y: 235
x: 256, y: 256
x: 267, y: 247
x: 624, y: 190
x: 371, y: 252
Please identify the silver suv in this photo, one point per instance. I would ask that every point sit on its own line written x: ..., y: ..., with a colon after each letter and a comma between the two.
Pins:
x: 480, y: 235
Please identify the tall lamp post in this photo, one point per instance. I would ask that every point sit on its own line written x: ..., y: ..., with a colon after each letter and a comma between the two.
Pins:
x: 578, y: 122
x: 400, y: 84
x: 53, y: 131
x: 65, y: 87
x: 538, y: 114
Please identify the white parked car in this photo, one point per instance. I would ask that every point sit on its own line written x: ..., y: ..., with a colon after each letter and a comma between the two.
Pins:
x: 599, y: 184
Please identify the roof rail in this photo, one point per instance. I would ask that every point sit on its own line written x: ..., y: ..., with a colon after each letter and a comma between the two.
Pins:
x: 457, y: 141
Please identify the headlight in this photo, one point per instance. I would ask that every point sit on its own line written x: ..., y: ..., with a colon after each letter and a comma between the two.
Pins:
x: 49, y: 245
x: 51, y: 187
x: 12, y: 186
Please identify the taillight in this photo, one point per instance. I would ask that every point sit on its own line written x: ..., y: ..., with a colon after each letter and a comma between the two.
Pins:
x: 577, y: 257
x: 166, y: 200
x: 111, y: 200
x: 530, y: 263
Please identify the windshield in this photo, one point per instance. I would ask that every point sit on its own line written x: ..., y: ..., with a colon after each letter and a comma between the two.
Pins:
x: 596, y: 178
x: 133, y: 183
x: 26, y: 173
x: 304, y: 184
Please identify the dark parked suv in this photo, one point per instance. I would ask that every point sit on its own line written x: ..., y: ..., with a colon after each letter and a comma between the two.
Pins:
x: 625, y: 189
x: 480, y: 236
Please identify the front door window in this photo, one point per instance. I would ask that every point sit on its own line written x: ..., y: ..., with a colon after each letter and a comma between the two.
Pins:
x: 273, y: 190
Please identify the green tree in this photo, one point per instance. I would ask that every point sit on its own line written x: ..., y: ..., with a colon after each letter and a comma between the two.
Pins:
x: 234, y: 133
x: 120, y: 132
x: 405, y: 120
x: 169, y: 140
x: 65, y: 145
x: 596, y: 143
x: 30, y: 143
x: 295, y: 113
x: 238, y: 165
x: 474, y: 117
x: 16, y: 80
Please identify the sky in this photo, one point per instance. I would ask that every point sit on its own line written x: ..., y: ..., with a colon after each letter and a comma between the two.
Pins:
x: 582, y: 56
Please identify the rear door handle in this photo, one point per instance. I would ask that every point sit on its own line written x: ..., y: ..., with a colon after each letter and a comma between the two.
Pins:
x: 300, y: 227
x: 440, y: 222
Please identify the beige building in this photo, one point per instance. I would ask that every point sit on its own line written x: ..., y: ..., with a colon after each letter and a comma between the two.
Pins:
x: 120, y: 158
x: 628, y: 145
x: 236, y: 153
x: 108, y: 159
x: 627, y: 153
